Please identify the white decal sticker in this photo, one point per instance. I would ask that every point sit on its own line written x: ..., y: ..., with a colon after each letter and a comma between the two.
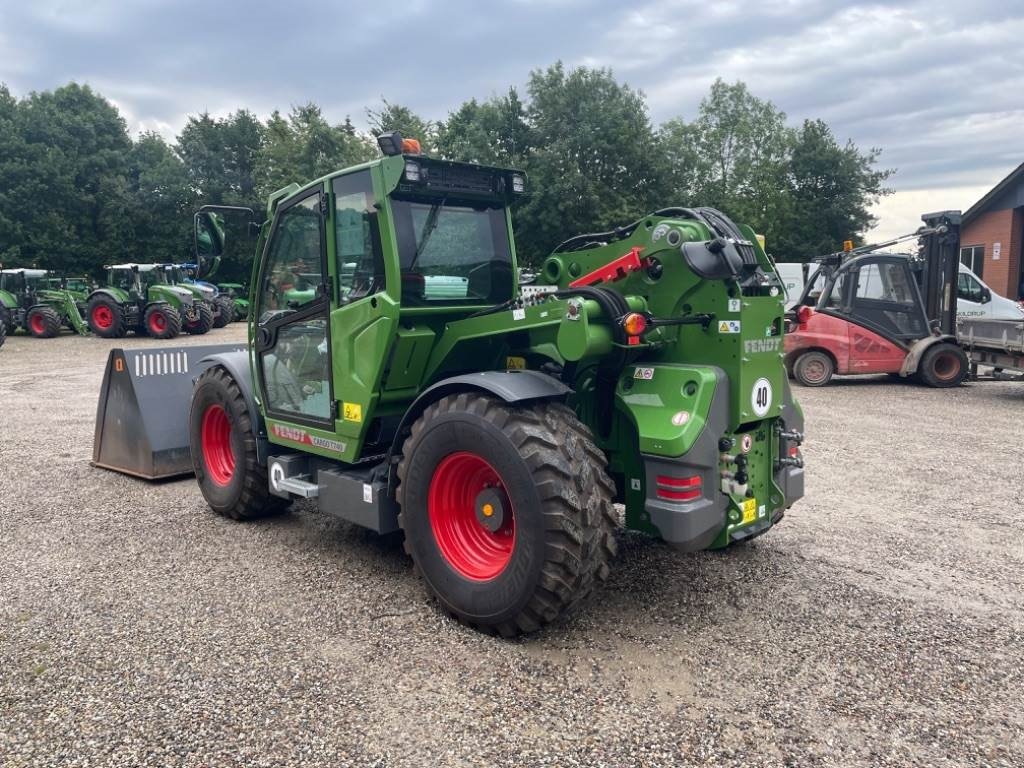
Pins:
x: 760, y: 511
x: 644, y: 373
x: 761, y: 396
x: 729, y: 326
x: 634, y: 483
x: 368, y: 493
x: 518, y: 314
x: 734, y: 305
x: 681, y: 418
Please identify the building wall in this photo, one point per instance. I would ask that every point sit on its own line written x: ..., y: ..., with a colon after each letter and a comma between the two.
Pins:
x: 1002, y: 275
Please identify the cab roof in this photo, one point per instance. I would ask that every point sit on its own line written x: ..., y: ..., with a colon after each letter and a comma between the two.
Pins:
x: 26, y: 272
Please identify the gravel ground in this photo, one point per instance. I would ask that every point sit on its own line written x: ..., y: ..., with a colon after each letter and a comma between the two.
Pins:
x: 880, y: 624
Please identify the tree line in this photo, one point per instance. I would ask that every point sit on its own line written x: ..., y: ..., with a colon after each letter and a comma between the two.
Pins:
x: 77, y: 191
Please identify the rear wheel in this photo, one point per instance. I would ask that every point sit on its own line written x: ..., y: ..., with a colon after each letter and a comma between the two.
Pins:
x: 943, y: 365
x: 203, y: 322
x: 507, y: 511
x: 43, y: 322
x: 162, y: 321
x: 813, y: 369
x: 223, y: 446
x: 106, y: 317
x: 225, y: 311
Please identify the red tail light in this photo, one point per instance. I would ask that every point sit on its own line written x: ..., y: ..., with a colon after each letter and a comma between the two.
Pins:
x: 803, y: 314
x: 679, y: 488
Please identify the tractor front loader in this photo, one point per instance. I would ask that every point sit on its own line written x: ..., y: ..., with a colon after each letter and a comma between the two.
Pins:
x: 30, y: 300
x: 399, y: 377
x: 138, y: 298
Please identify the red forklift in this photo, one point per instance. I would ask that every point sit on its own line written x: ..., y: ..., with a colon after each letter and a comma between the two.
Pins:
x: 867, y: 311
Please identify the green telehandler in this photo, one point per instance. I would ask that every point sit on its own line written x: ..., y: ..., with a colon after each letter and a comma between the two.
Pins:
x: 139, y: 298
x: 30, y: 299
x: 398, y: 375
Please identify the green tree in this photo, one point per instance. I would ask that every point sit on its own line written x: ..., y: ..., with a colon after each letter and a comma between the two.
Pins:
x: 592, y: 160
x: 158, y: 183
x: 494, y: 132
x: 831, y: 189
x: 65, y: 190
x: 303, y: 146
x: 395, y: 117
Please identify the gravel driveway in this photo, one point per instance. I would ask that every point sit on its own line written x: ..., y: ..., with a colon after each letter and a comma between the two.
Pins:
x: 882, y: 623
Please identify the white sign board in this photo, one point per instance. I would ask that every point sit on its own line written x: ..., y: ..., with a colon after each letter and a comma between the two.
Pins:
x: 997, y: 251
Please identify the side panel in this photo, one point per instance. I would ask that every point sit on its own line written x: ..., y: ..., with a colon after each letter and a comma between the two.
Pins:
x: 821, y: 331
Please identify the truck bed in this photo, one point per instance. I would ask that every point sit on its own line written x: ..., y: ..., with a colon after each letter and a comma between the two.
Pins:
x: 999, y: 343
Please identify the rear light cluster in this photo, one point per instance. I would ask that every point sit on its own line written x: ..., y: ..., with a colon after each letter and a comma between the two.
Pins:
x: 803, y: 314
x: 679, y: 488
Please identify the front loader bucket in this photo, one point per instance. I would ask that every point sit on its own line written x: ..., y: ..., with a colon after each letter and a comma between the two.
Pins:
x: 143, y: 412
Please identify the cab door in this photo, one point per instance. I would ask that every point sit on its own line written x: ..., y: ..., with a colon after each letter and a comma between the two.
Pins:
x: 886, y: 309
x: 292, y: 339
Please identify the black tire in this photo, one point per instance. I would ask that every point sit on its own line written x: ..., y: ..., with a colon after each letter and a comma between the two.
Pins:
x: 161, y: 321
x: 558, y: 494
x: 943, y: 365
x: 3, y: 332
x: 203, y: 322
x: 7, y: 321
x: 245, y: 494
x: 43, y: 322
x: 225, y: 311
x: 115, y: 327
x: 813, y: 369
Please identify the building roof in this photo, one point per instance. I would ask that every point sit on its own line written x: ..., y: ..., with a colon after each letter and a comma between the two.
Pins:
x: 1014, y: 177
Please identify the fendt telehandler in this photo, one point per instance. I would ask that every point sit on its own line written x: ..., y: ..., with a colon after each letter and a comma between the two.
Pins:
x: 139, y: 298
x: 30, y: 300
x: 397, y: 374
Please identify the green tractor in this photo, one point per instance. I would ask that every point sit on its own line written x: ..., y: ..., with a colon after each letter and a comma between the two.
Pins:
x: 239, y: 296
x: 139, y: 298
x: 399, y: 376
x: 31, y: 300
x: 211, y: 311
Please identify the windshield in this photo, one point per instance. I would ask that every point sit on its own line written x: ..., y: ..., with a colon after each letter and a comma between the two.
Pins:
x: 152, y: 277
x: 452, y: 253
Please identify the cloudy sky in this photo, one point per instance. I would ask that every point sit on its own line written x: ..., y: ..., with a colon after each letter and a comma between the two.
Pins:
x: 938, y: 84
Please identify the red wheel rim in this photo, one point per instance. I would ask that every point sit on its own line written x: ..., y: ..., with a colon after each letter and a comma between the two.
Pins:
x: 947, y: 366
x: 157, y: 322
x: 102, y: 317
x: 37, y: 325
x: 471, y: 549
x: 218, y: 455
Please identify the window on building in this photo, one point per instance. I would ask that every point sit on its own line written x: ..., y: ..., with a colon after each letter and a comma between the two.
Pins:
x: 973, y: 257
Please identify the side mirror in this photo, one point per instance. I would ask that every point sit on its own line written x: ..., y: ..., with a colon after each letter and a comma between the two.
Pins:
x: 986, y: 295
x: 209, y: 235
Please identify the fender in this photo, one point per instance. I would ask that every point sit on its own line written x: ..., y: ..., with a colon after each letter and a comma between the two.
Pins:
x: 121, y: 297
x: 917, y: 350
x: 510, y: 386
x: 237, y: 365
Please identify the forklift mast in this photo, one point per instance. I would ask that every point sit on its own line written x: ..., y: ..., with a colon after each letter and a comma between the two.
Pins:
x: 940, y: 263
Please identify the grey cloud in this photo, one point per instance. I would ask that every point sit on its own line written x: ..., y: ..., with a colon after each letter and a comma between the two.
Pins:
x: 936, y: 84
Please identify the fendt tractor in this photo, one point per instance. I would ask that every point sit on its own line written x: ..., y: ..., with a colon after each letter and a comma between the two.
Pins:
x: 204, y: 299
x: 222, y: 305
x: 30, y: 300
x: 138, y: 298
x: 239, y: 296
x: 397, y: 374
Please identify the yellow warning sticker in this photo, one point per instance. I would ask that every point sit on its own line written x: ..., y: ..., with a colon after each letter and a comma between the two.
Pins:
x: 352, y: 411
x: 515, y: 363
x: 749, y: 509
x: 729, y: 326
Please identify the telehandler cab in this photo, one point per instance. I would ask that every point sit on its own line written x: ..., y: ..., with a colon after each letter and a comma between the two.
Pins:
x: 397, y: 375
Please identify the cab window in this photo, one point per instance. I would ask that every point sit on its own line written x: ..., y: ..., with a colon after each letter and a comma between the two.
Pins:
x: 360, y: 262
x: 293, y: 274
x: 452, y: 254
x: 968, y: 288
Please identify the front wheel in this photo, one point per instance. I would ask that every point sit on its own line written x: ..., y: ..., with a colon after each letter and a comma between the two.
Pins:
x: 225, y: 311
x: 203, y: 321
x: 943, y: 365
x: 813, y: 369
x: 222, y: 442
x: 507, y: 510
x: 162, y: 321
x: 43, y: 322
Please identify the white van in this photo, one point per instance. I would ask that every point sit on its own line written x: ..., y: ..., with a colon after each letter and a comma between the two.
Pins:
x: 974, y: 299
x: 793, y: 278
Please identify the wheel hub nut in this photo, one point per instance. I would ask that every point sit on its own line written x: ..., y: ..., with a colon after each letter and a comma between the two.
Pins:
x: 490, y: 509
